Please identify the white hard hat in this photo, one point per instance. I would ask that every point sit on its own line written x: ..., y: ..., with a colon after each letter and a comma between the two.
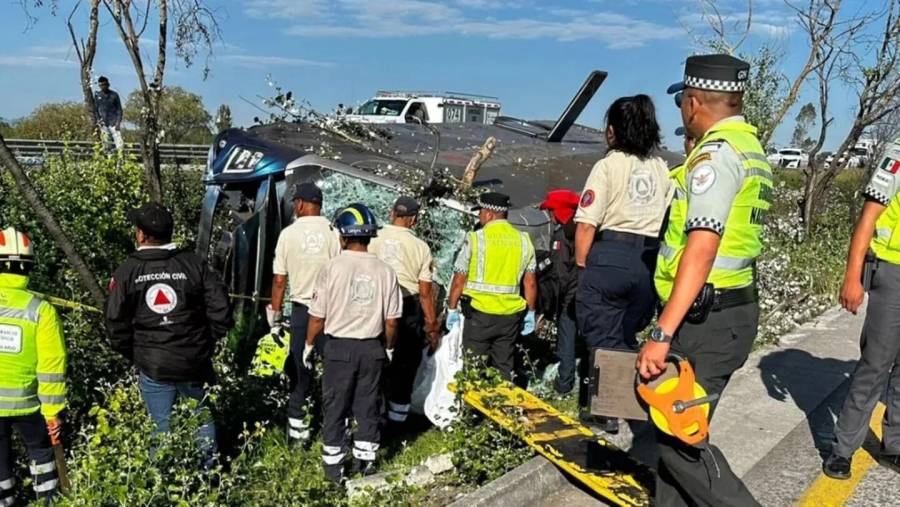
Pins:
x: 15, y: 246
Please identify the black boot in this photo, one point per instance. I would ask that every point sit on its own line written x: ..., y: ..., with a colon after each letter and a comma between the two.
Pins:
x: 837, y: 467
x: 605, y: 424
x: 362, y: 467
x: 891, y: 461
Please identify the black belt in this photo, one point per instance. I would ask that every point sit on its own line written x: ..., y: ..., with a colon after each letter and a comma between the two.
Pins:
x: 729, y: 298
x: 628, y: 237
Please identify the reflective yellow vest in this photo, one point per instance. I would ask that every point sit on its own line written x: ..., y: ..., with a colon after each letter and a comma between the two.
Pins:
x: 32, y: 352
x: 886, y: 242
x: 500, y: 255
x: 741, y: 243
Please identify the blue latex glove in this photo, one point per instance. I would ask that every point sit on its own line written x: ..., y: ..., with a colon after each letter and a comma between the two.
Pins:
x: 528, y: 327
x: 452, y: 318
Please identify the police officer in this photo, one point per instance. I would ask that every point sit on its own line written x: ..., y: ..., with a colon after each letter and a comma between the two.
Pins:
x: 621, y: 212
x: 303, y: 248
x: 878, y: 228
x: 32, y: 370
x: 357, y: 304
x: 705, y: 271
x: 496, y: 264
x: 165, y: 311
x: 562, y: 205
x: 411, y: 259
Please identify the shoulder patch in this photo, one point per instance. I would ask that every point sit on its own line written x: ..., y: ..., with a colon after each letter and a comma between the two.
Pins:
x: 883, y: 179
x: 587, y: 199
x: 890, y: 165
x: 702, y: 179
x: 702, y: 157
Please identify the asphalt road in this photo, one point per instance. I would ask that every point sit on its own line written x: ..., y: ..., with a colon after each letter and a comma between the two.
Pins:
x: 775, y: 424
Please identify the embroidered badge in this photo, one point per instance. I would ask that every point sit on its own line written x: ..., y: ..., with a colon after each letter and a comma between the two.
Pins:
x: 702, y: 179
x: 587, y: 198
x: 161, y: 298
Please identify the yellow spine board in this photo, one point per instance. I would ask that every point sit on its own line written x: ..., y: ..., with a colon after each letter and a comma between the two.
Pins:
x: 606, y: 469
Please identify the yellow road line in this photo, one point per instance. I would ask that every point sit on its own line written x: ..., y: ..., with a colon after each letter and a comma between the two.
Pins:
x: 829, y: 492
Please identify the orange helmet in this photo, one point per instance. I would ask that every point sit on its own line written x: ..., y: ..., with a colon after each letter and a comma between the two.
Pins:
x: 15, y: 247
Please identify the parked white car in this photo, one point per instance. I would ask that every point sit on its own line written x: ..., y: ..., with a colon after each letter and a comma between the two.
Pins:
x: 788, y: 158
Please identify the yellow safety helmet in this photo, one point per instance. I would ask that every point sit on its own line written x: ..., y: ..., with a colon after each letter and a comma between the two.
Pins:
x: 271, y: 354
x: 15, y: 246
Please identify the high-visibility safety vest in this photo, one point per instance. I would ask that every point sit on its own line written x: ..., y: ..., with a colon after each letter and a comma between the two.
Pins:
x: 32, y: 352
x: 740, y: 244
x: 500, y: 255
x: 886, y: 241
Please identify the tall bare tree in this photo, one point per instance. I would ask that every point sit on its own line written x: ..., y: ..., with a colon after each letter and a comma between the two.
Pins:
x: 866, y: 60
x: 85, y: 50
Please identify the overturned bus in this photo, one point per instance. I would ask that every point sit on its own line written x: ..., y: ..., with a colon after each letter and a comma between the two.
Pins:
x: 250, y: 173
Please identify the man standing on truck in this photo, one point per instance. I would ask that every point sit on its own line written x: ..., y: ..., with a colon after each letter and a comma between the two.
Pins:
x: 494, y: 266
x: 303, y: 248
x: 398, y: 246
x: 357, y: 304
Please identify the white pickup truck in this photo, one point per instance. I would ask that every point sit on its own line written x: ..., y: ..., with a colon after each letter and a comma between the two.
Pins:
x: 427, y: 107
x: 788, y: 158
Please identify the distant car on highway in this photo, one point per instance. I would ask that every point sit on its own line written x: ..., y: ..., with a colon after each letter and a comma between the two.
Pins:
x: 788, y: 158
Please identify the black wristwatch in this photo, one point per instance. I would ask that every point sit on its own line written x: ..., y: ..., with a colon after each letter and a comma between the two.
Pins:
x: 659, y: 336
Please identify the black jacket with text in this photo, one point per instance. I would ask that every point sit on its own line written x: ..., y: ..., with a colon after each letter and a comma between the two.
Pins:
x: 165, y: 311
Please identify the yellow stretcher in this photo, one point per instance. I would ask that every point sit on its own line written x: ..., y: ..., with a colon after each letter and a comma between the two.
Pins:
x: 591, y: 460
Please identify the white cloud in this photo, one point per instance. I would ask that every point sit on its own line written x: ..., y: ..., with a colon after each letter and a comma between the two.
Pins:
x: 409, y: 18
x: 35, y: 61
x: 286, y: 8
x: 261, y: 61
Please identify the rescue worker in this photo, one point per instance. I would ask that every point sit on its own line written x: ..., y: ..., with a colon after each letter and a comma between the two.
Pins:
x: 705, y: 272
x: 302, y: 249
x: 562, y: 205
x: 411, y: 259
x: 877, y: 229
x: 357, y: 303
x: 495, y: 266
x: 617, y: 237
x: 32, y: 371
x: 165, y: 311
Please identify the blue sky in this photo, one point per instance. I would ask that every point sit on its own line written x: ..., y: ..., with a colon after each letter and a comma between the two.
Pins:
x: 533, y: 54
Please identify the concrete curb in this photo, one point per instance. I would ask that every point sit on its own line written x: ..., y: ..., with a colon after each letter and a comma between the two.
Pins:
x: 524, y: 485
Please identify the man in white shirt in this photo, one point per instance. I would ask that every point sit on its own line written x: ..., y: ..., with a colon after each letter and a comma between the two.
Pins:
x: 398, y: 246
x: 303, y: 248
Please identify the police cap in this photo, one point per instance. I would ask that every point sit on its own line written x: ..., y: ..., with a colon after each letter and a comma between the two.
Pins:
x: 716, y: 73
x: 493, y: 201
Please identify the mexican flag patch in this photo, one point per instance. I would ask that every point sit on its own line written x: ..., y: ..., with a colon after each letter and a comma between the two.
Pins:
x: 890, y: 165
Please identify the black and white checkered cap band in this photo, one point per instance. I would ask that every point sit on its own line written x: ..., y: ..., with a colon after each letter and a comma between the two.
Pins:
x: 715, y: 84
x: 491, y: 207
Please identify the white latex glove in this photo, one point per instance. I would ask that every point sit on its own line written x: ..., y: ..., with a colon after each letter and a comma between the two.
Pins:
x: 452, y: 318
x: 308, y: 351
x: 272, y: 317
x: 390, y: 354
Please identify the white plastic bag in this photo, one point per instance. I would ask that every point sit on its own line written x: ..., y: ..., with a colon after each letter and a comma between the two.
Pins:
x: 430, y: 395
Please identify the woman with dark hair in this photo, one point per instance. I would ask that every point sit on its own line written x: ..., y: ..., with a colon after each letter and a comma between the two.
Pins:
x: 617, y: 236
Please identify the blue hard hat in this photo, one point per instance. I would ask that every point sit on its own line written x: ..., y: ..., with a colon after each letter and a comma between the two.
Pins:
x: 355, y: 221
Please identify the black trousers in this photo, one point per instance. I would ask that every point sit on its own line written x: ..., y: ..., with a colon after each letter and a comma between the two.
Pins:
x: 301, y: 379
x: 33, y: 430
x: 351, y: 387
x: 700, y: 475
x: 494, y: 337
x: 407, y: 356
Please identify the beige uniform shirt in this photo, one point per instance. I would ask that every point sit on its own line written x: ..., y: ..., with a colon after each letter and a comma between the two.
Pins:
x: 408, y: 255
x: 355, y: 293
x: 303, y: 248
x: 627, y: 194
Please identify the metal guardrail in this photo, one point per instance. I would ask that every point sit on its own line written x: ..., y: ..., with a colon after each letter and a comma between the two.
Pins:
x: 36, y: 148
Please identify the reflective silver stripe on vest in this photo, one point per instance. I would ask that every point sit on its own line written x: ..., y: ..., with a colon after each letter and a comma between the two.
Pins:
x: 523, y: 261
x: 19, y: 392
x: 752, y: 155
x: 883, y: 233
x: 51, y: 377
x: 756, y: 171
x: 51, y: 399
x: 729, y: 263
x: 19, y: 404
x: 480, y: 247
x: 680, y: 194
x: 493, y: 289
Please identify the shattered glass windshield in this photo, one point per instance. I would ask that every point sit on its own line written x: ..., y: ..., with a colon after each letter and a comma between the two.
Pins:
x: 442, y: 228
x: 382, y: 107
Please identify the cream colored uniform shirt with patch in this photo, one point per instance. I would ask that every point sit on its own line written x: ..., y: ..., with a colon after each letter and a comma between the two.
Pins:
x: 407, y: 254
x: 355, y: 293
x: 303, y: 248
x: 627, y: 194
